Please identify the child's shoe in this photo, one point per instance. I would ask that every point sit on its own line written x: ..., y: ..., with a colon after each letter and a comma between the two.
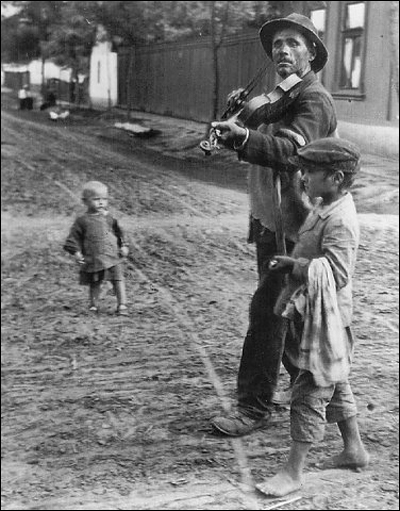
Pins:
x: 122, y: 310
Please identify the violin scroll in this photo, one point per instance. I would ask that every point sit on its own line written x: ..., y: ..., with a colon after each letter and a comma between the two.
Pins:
x: 263, y: 109
x: 235, y: 101
x: 210, y: 145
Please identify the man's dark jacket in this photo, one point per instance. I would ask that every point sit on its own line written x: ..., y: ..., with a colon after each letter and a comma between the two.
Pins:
x: 311, y: 116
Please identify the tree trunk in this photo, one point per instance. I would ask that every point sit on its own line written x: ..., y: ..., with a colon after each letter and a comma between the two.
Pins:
x: 394, y: 44
x: 214, y: 48
x: 129, y: 85
x: 108, y: 81
x: 43, y: 79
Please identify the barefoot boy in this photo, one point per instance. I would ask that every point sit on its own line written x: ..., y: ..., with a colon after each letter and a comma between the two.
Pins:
x: 317, y: 303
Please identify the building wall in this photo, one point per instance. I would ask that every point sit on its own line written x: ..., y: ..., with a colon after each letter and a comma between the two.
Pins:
x: 15, y: 79
x: 379, y: 103
x: 51, y: 70
x: 103, y: 82
x: 177, y: 78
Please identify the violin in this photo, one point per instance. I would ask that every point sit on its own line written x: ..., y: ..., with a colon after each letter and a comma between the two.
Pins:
x: 263, y: 109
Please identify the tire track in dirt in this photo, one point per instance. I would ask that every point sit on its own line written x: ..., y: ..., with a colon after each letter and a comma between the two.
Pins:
x: 177, y: 310
x: 67, y: 190
x: 89, y: 372
x: 188, y: 325
x: 52, y: 160
x: 52, y: 157
x: 81, y: 153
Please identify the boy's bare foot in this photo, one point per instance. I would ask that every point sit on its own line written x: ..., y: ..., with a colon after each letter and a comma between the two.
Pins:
x: 355, y: 460
x: 279, y: 485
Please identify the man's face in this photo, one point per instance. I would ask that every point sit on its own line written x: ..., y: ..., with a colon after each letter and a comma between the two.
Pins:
x: 291, y: 53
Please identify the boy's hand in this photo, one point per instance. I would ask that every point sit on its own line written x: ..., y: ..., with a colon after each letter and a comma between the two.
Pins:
x: 79, y: 258
x: 124, y: 251
x: 282, y: 264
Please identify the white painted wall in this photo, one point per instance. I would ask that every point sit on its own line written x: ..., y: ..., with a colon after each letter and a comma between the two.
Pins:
x: 51, y: 70
x: 103, y: 88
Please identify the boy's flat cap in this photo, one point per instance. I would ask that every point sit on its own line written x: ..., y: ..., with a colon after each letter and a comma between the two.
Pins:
x: 329, y: 152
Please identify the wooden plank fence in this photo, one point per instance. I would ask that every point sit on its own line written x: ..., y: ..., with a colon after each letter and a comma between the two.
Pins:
x: 176, y: 79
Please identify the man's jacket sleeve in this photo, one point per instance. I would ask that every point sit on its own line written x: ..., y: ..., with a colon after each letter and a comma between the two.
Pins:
x: 313, y: 117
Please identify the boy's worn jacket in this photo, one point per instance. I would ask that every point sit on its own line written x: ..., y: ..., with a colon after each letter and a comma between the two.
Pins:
x: 99, y: 237
x: 332, y: 232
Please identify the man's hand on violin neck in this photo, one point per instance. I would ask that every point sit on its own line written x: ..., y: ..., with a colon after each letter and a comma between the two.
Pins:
x: 234, y: 97
x: 229, y: 133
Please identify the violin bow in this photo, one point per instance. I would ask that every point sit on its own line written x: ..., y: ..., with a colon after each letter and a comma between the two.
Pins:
x: 278, y: 219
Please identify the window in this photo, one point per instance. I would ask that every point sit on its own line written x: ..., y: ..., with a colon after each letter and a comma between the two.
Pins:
x: 352, y: 43
x: 318, y: 17
x: 98, y: 71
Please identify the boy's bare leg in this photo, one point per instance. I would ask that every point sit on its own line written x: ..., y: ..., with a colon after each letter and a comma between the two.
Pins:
x: 289, y: 479
x: 94, y: 294
x: 354, y: 454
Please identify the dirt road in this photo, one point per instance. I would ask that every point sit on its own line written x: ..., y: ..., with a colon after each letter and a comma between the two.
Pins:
x: 104, y: 412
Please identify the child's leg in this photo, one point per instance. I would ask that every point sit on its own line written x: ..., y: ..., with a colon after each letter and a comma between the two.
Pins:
x: 354, y: 454
x: 120, y: 292
x: 289, y: 479
x: 343, y: 410
x: 119, y: 288
x: 307, y: 425
x: 94, y: 293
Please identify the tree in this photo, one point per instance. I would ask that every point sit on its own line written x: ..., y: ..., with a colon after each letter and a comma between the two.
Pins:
x: 394, y: 44
x: 72, y: 35
x: 28, y: 31
x: 20, y: 41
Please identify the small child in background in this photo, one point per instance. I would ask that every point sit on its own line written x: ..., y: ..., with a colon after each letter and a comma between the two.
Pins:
x: 317, y: 303
x: 97, y: 242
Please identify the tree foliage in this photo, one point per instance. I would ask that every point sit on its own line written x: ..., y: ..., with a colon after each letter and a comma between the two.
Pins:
x: 144, y: 22
x: 25, y: 32
x: 65, y: 30
x: 72, y: 35
x: 19, y: 41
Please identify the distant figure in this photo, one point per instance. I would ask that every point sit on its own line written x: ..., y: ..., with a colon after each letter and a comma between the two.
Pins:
x: 25, y: 98
x: 72, y: 91
x: 97, y: 242
x: 49, y: 101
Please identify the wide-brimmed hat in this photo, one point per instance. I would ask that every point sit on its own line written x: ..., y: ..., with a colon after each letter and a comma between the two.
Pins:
x: 305, y: 26
x: 328, y: 153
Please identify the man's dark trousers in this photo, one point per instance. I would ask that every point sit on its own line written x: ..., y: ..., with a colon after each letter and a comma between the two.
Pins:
x: 263, y: 346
